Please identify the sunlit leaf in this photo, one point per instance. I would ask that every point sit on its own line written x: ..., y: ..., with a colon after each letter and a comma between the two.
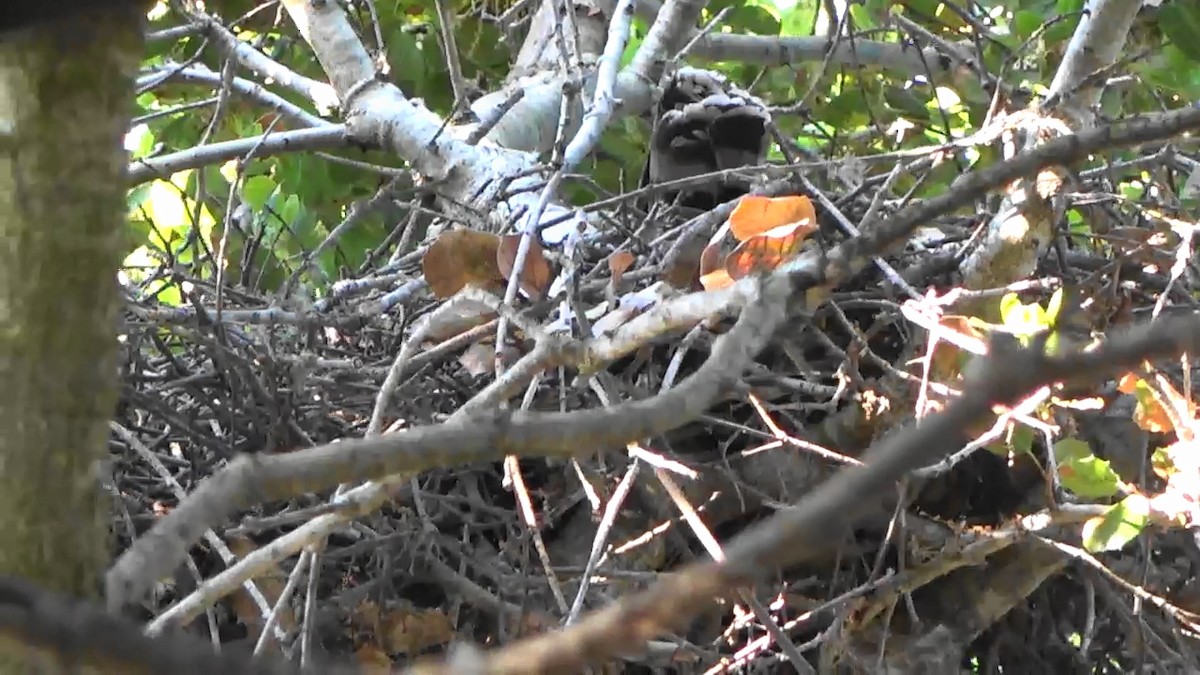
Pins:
x: 767, y: 251
x: 756, y: 214
x: 1082, y: 472
x: 1119, y: 525
x: 1149, y: 413
x: 716, y: 279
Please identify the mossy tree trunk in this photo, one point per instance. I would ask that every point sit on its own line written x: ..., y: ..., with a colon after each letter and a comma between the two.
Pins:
x: 65, y: 102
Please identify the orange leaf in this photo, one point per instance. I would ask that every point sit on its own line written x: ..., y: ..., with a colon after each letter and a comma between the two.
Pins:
x: 372, y: 660
x: 1151, y: 416
x: 756, y: 215
x: 767, y: 251
x: 460, y: 257
x: 1128, y: 384
x: 710, y: 259
x: 536, y: 275
x: 715, y: 280
x: 618, y: 262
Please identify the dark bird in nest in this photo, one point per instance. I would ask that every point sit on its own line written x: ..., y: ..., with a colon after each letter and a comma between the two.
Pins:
x: 704, y: 124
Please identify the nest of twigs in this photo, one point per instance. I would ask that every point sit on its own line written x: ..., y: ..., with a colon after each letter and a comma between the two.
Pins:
x: 489, y: 552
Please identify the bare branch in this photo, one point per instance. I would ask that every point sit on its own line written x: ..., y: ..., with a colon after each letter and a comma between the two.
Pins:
x: 328, y: 137
x: 803, y: 532
x: 252, y: 90
x: 486, y: 436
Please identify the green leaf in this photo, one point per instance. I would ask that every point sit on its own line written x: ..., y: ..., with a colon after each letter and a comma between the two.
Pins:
x: 847, y: 110
x: 1011, y: 309
x: 168, y: 294
x: 1062, y: 30
x: 1119, y: 525
x: 799, y: 20
x: 138, y: 231
x: 1055, y: 306
x: 135, y: 198
x: 291, y: 210
x: 1181, y: 23
x: 256, y: 190
x: 140, y: 141
x: 862, y: 18
x: 407, y: 59
x: 1082, y: 472
x: 923, y: 7
x: 1069, y: 449
x: 1025, y: 22
x: 753, y: 19
x: 1022, y: 439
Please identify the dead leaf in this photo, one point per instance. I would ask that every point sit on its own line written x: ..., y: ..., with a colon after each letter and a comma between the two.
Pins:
x: 756, y: 215
x: 411, y: 631
x: 536, y: 275
x: 1149, y: 414
x: 716, y: 280
x: 460, y: 257
x: 949, y: 360
x: 1143, y: 246
x: 766, y: 251
x: 478, y: 359
x: 710, y: 258
x: 680, y: 269
x: 618, y: 262
x: 372, y: 660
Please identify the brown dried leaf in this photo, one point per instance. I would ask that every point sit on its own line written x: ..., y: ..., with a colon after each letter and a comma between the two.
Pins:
x: 618, y: 263
x: 680, y: 269
x: 372, y: 660
x: 460, y: 257
x: 710, y: 259
x: 536, y: 275
x: 411, y: 631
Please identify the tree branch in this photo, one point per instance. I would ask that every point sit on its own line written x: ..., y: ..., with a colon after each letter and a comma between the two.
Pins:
x: 488, y: 436
x: 75, y: 634
x: 809, y: 529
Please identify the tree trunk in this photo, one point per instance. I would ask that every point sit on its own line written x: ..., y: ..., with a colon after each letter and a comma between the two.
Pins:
x: 65, y: 102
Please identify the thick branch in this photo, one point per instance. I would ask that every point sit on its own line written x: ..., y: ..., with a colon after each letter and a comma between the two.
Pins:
x: 75, y: 634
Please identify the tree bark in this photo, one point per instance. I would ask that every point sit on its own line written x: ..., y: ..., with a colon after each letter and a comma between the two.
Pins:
x: 65, y: 102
